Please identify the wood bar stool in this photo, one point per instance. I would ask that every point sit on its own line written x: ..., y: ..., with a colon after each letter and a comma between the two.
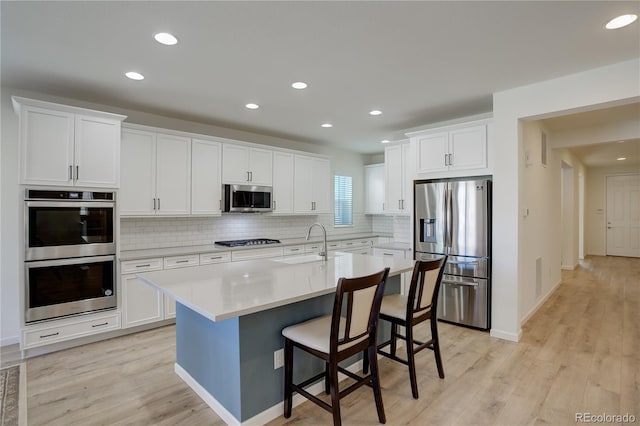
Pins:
x: 408, y: 311
x: 333, y: 338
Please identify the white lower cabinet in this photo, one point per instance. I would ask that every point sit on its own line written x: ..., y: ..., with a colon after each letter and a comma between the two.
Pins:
x: 141, y: 303
x: 69, y: 328
x: 405, y: 278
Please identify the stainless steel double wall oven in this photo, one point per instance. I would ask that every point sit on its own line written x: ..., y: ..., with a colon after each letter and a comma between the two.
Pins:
x: 70, y: 253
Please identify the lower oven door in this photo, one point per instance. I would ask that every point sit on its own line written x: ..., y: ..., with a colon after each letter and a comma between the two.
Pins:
x: 464, y: 300
x: 56, y: 288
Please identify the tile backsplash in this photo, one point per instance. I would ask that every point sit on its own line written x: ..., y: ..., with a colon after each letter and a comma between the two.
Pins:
x: 398, y: 226
x: 156, y: 232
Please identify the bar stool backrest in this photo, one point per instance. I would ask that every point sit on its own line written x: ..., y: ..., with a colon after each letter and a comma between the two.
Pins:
x: 425, y: 286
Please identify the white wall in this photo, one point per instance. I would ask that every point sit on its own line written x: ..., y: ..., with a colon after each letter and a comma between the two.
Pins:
x: 342, y: 162
x: 602, y: 87
x: 595, y: 214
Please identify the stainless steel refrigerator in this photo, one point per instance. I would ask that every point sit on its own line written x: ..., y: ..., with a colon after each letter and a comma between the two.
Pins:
x: 453, y: 217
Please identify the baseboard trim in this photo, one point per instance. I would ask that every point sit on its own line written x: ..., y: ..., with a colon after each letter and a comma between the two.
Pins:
x: 540, y: 302
x: 8, y: 341
x: 506, y: 335
x: 265, y: 416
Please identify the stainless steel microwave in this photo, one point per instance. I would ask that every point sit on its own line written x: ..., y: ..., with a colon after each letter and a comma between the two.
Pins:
x: 247, y: 198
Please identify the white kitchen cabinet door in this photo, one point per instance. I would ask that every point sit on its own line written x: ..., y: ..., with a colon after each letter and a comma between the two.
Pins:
x: 243, y: 165
x: 138, y: 173
x: 398, y: 173
x: 393, y: 179
x: 260, y: 167
x: 374, y: 192
x: 321, y: 184
x: 432, y: 152
x: 282, y: 183
x: 173, y: 175
x: 235, y: 167
x: 169, y: 307
x: 141, y: 303
x: 206, y: 173
x: 468, y: 148
x: 463, y: 148
x: 97, y: 152
x: 46, y: 146
x: 303, y: 184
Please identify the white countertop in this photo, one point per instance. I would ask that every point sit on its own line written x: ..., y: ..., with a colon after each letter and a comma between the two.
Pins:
x: 228, y: 290
x: 180, y: 251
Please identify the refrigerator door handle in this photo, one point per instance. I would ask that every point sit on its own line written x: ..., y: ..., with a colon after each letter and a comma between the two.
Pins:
x: 457, y: 262
x: 467, y: 283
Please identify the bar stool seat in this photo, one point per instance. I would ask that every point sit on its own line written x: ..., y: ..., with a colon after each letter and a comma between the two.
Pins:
x: 316, y: 334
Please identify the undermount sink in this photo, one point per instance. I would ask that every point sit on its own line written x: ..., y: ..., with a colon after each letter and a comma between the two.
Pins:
x: 307, y: 258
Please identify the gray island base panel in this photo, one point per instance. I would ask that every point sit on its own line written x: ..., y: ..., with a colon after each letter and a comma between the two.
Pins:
x: 229, y: 320
x: 232, y: 360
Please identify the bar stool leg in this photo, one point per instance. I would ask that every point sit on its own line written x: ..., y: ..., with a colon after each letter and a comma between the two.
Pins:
x: 335, y: 393
x: 375, y: 382
x: 327, y: 379
x: 394, y: 337
x: 288, y: 377
x: 411, y: 361
x: 436, y: 346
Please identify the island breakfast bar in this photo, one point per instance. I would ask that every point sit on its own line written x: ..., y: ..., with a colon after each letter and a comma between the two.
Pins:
x: 229, y: 319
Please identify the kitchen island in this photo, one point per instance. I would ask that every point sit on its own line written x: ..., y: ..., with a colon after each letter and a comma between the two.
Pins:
x: 229, y: 319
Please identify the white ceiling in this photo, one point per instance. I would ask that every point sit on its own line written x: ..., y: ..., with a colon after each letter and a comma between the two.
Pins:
x: 418, y: 62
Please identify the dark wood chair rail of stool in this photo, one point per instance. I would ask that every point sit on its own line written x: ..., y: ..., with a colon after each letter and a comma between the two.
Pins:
x: 334, y: 338
x: 407, y: 311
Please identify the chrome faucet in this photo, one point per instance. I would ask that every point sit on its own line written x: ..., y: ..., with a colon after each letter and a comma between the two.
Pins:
x: 323, y: 253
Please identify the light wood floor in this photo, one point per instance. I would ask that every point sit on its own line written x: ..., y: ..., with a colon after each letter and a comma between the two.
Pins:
x: 579, y: 353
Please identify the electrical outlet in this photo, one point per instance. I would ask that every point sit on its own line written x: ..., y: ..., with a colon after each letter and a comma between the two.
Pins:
x: 278, y: 359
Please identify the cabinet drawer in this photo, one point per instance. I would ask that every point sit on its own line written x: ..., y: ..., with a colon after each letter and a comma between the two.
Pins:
x: 334, y: 245
x: 181, y: 261
x: 71, y: 329
x: 397, y: 254
x: 313, y: 248
x: 217, y: 257
x: 295, y: 250
x: 143, y: 265
x: 256, y: 253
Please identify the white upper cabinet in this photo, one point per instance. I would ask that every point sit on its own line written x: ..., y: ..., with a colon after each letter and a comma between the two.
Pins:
x: 398, y: 173
x: 206, y: 172
x: 374, y: 191
x: 312, y: 185
x: 68, y: 146
x: 282, y: 183
x: 462, y: 148
x: 156, y: 174
x: 246, y: 166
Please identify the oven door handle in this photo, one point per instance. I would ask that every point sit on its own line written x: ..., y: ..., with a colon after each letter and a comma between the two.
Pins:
x: 71, y: 204
x: 71, y: 261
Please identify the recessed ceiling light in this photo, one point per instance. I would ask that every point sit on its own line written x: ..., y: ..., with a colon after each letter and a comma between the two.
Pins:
x: 166, y: 38
x: 621, y: 158
x: 375, y: 112
x: 621, y: 21
x: 252, y: 106
x: 134, y: 75
x: 385, y: 141
x: 327, y: 125
x: 299, y: 85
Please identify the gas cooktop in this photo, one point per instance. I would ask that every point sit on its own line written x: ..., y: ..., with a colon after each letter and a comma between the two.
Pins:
x: 252, y: 242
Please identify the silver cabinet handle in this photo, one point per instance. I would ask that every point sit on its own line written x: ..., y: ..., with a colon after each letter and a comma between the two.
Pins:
x: 70, y: 172
x: 220, y: 204
x: 399, y: 204
x: 77, y: 172
x: 250, y: 176
x: 50, y: 335
x: 274, y: 204
x: 215, y: 257
x: 182, y: 261
x: 248, y: 179
x: 158, y: 203
x: 154, y: 204
x: 446, y: 161
x: 146, y: 265
x: 99, y: 325
x: 387, y: 254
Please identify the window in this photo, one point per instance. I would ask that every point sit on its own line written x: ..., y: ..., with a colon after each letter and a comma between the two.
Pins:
x: 343, y: 205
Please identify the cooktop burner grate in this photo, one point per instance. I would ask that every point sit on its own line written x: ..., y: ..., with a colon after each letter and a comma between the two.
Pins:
x: 251, y: 242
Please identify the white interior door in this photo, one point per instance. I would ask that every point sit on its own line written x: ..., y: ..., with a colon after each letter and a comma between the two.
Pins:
x: 623, y: 215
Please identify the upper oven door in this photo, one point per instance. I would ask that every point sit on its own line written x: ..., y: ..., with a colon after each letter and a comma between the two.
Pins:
x: 60, y: 229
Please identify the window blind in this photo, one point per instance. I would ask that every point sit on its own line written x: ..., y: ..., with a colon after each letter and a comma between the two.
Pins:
x: 343, y: 205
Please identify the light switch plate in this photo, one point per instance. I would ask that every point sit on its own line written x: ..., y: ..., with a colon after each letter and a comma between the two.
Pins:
x: 278, y: 359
